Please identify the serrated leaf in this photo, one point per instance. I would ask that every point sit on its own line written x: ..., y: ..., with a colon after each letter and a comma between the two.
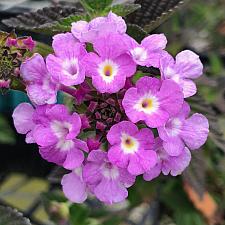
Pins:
x: 136, y: 32
x: 43, y: 20
x: 9, y: 216
x: 97, y: 5
x: 154, y: 12
x: 123, y: 9
x: 60, y: 26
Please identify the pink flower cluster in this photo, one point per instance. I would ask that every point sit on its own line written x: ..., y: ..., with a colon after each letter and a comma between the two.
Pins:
x: 120, y: 115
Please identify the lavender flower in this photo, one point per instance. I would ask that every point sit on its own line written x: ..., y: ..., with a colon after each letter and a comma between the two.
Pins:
x: 186, y: 67
x: 180, y: 130
x: 131, y: 148
x: 89, y: 32
x: 112, y: 118
x: 100, y: 174
x: 166, y: 164
x: 54, y: 130
x: 110, y: 67
x: 39, y: 85
x: 149, y: 52
x: 152, y: 101
x: 66, y: 65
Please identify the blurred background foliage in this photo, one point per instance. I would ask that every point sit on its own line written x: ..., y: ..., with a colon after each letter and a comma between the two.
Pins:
x: 198, y: 196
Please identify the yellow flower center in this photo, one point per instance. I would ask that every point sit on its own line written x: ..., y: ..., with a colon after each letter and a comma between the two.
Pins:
x: 108, y: 70
x: 129, y: 143
x: 147, y: 103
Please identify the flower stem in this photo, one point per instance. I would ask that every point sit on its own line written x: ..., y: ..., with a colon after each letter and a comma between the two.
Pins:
x: 69, y: 90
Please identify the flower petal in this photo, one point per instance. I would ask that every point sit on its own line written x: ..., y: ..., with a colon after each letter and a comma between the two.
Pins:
x: 115, y: 132
x: 74, y: 188
x: 188, y: 64
x: 113, y: 192
x: 195, y: 131
x: 176, y: 165
x: 170, y: 97
x: 188, y: 86
x: 153, y: 172
x: 154, y: 42
x: 44, y: 136
x: 22, y: 117
x: 117, y: 157
x: 33, y: 69
x: 174, y: 146
x: 66, y: 46
x: 74, y: 159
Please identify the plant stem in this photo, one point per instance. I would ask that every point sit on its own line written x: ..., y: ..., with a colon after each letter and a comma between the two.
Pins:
x: 69, y: 90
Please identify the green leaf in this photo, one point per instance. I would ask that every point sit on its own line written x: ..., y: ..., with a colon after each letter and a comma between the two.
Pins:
x: 79, y: 215
x: 42, y: 49
x: 177, y: 201
x: 10, y: 216
x: 136, y: 32
x: 216, y: 64
x: 123, y: 9
x: 62, y: 25
x: 187, y: 217
x: 97, y: 5
x: 53, y: 196
x: 114, y: 220
x: 16, y: 84
x: 138, y: 75
x: 49, y: 20
x: 7, y: 136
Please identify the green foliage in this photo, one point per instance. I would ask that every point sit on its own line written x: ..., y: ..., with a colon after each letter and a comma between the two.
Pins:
x: 113, y: 220
x: 123, y: 9
x: 42, y: 49
x: 79, y: 214
x: 60, y: 26
x: 7, y: 136
x: 10, y: 216
x: 56, y: 23
x: 95, y: 6
x: 103, y: 7
x: 216, y: 64
x: 136, y: 32
x: 56, y: 206
x: 49, y: 20
x: 175, y: 199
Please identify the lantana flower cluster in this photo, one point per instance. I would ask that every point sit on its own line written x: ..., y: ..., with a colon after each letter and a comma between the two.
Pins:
x: 118, y: 129
x: 13, y: 50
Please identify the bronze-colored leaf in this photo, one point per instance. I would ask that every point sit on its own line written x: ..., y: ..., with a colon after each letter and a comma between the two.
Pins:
x: 154, y: 12
x: 43, y: 18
